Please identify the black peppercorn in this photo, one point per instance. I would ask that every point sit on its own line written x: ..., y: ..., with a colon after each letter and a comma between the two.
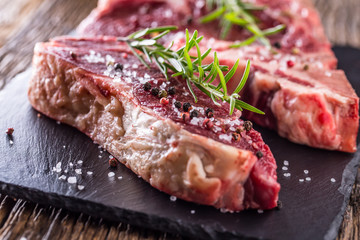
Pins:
x: 193, y: 114
x: 259, y: 154
x: 306, y: 67
x: 73, y: 55
x: 248, y: 125
x: 177, y: 104
x: 279, y: 205
x: 162, y: 94
x: 277, y: 45
x: 147, y: 86
x: 118, y: 67
x: 209, y: 112
x: 113, y: 162
x: 155, y: 91
x: 236, y: 136
x: 9, y: 131
x: 186, y: 106
x: 171, y: 90
x: 238, y: 130
x: 189, y: 20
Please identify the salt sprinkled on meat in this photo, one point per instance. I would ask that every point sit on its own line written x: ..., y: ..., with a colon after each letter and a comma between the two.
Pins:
x: 94, y: 57
x: 72, y: 180
x: 173, y: 198
x: 78, y: 171
x: 135, y: 65
x: 225, y: 137
x: 109, y: 59
x: 81, y: 187
x: 333, y: 180
x: 111, y: 174
x: 168, y: 13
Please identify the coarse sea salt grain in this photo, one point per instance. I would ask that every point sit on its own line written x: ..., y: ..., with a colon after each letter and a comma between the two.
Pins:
x: 71, y: 164
x: 81, y: 187
x: 72, y: 180
x: 89, y: 173
x: 260, y: 211
x: 301, y: 180
x: 286, y: 163
x: 78, y: 171
x: 58, y: 167
x: 11, y: 142
x: 308, y: 179
x: 225, y: 137
x: 192, y: 211
x: 306, y: 171
x: 80, y: 161
x: 120, y: 177
x: 332, y: 180
x: 287, y: 174
x: 62, y: 177
x: 285, y: 168
x: 223, y: 210
x: 173, y: 198
x: 111, y: 174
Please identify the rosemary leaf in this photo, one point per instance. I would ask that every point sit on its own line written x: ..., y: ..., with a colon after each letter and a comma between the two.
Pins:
x: 180, y: 64
x: 244, y: 78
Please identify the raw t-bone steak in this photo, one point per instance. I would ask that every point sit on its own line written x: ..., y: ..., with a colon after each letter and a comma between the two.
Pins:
x: 196, y: 152
x: 306, y: 99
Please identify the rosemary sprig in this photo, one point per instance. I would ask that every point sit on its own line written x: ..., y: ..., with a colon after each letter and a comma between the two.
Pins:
x: 237, y: 12
x: 144, y: 44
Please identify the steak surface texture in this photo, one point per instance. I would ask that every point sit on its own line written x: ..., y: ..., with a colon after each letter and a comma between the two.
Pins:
x: 194, y: 151
x: 296, y: 83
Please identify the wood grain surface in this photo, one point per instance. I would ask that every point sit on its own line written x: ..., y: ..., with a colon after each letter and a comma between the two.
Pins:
x: 25, y: 22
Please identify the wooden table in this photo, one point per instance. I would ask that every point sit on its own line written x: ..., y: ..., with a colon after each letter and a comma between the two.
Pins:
x: 22, y: 24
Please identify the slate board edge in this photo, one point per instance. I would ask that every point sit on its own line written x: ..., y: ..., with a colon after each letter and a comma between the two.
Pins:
x: 347, y: 184
x: 134, y: 218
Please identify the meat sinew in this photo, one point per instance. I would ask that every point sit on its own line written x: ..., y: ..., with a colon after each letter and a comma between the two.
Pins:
x: 194, y: 151
x: 306, y: 99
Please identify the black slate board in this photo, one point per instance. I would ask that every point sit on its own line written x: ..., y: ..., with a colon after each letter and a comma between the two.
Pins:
x: 311, y: 209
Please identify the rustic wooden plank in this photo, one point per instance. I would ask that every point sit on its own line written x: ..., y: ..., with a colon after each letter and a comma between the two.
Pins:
x: 350, y: 227
x: 50, y: 19
x: 341, y: 20
x: 13, y: 15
